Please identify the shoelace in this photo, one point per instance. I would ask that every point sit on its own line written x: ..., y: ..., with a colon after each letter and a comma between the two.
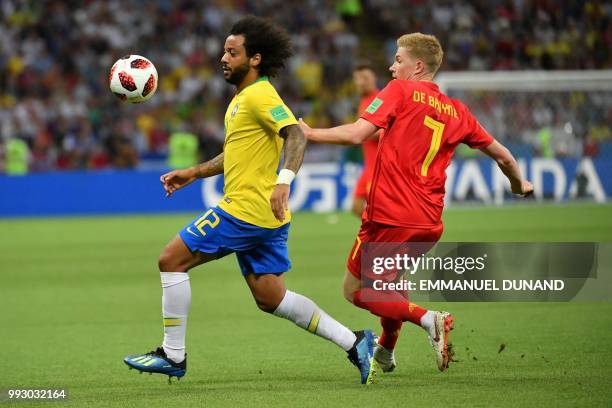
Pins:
x: 159, y: 352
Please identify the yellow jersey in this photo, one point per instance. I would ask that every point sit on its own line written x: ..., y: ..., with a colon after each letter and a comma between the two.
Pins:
x: 252, y: 153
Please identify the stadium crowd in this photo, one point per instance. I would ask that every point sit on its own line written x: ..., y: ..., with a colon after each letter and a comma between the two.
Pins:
x: 55, y: 57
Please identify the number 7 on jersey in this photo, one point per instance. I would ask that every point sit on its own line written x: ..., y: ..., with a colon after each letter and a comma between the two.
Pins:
x: 438, y: 128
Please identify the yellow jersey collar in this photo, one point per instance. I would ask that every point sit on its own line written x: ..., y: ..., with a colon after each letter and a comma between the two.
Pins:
x: 260, y: 79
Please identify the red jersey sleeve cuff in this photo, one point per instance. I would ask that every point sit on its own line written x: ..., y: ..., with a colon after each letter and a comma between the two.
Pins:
x: 378, y: 122
x: 481, y: 144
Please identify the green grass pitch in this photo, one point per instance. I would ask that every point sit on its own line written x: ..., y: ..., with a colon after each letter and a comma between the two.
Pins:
x: 78, y: 294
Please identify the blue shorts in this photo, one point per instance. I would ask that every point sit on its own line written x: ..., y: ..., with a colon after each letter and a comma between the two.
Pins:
x: 259, y: 250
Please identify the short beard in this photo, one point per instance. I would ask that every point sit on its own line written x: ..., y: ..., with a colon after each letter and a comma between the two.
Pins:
x: 238, y: 74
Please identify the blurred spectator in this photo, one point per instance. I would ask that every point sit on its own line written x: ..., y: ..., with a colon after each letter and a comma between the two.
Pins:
x: 183, y: 151
x: 17, y: 156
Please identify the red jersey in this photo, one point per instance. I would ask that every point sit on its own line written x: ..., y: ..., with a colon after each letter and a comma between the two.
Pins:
x: 370, y: 146
x: 422, y: 129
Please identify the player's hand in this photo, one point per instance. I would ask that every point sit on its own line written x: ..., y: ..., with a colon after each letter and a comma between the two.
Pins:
x: 305, y: 128
x: 279, y: 201
x: 525, y: 188
x: 177, y: 179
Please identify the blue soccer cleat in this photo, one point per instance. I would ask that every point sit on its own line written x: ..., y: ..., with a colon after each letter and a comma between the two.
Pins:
x: 157, y: 362
x: 362, y: 355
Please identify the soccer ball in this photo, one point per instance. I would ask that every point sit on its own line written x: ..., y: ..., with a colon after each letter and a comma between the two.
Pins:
x: 133, y: 78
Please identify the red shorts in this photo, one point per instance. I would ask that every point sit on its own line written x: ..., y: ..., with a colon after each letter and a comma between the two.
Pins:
x: 371, y: 231
x: 362, y: 187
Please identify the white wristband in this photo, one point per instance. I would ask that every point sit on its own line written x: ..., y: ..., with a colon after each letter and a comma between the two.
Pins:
x: 285, y: 176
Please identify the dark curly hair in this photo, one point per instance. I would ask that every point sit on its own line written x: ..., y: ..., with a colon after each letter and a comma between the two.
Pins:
x: 262, y: 36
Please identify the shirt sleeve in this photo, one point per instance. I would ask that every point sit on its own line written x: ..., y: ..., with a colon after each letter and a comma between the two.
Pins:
x: 477, y: 137
x: 271, y: 112
x: 384, y: 108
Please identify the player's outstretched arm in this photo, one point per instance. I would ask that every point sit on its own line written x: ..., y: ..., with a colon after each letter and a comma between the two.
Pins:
x: 178, y: 179
x: 507, y: 164
x: 295, y: 145
x: 351, y: 134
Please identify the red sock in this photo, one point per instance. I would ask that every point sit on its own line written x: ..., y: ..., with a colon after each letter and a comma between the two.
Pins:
x: 390, y: 333
x: 391, y: 305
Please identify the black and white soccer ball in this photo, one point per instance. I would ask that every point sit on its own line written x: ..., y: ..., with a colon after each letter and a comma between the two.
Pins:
x: 133, y: 78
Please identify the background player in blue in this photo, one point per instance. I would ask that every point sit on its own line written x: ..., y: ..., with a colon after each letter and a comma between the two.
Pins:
x: 252, y: 219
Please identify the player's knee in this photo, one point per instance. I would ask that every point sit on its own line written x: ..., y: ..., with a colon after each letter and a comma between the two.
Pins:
x: 163, y: 262
x: 348, y: 294
x: 167, y: 263
x: 267, y: 305
x: 268, y: 302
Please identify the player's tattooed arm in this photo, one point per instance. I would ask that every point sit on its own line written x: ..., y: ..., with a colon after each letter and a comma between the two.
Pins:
x: 210, y: 168
x: 295, y: 145
x: 177, y: 179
